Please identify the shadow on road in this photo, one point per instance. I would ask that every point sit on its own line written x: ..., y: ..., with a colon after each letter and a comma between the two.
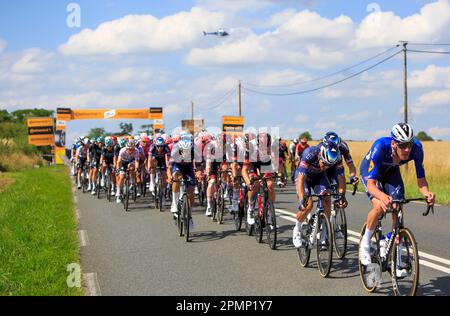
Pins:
x: 436, y: 286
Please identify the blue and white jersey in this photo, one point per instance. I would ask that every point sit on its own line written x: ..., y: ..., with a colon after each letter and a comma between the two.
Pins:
x: 379, y: 159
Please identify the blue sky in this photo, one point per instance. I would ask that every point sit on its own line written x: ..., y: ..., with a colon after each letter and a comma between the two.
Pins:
x: 134, y: 54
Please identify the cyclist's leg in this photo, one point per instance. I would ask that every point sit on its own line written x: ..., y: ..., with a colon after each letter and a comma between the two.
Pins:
x: 121, y: 180
x: 153, y: 163
x: 176, y: 175
x: 394, y: 187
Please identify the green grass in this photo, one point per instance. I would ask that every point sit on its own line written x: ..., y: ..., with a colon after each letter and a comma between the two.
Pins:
x: 38, y: 233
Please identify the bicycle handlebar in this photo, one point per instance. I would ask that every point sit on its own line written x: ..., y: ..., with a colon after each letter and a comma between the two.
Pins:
x: 430, y: 207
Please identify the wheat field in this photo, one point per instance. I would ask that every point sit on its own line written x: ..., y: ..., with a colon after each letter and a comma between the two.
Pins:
x: 436, y: 162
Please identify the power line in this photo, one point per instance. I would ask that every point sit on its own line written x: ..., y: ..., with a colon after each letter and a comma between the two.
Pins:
x: 430, y: 44
x: 325, y: 86
x: 221, y: 102
x: 427, y: 51
x: 219, y: 98
x: 326, y: 76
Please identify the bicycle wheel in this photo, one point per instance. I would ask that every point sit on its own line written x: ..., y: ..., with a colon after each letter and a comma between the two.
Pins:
x: 160, y: 196
x: 98, y: 184
x: 405, y: 258
x: 324, y: 245
x: 271, y: 225
x: 179, y: 218
x: 304, y: 252
x: 186, y: 217
x: 220, y: 204
x: 126, y: 194
x: 83, y: 181
x: 108, y: 187
x: 156, y: 195
x: 238, y: 216
x: 368, y: 274
x: 259, y: 227
x: 339, y: 224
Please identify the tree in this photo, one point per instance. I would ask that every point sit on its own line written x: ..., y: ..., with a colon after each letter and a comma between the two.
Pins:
x: 306, y: 134
x: 422, y: 136
x: 4, y: 116
x: 127, y: 128
x: 147, y: 128
x: 96, y: 132
x: 20, y: 116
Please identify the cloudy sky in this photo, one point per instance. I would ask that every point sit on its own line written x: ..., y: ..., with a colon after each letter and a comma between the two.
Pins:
x: 142, y: 53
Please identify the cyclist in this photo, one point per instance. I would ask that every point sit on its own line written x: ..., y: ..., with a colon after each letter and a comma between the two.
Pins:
x: 282, y: 157
x: 380, y: 173
x: 311, y: 176
x: 158, y: 156
x: 107, y: 161
x: 122, y: 142
x: 292, y: 150
x: 336, y: 172
x: 81, y: 157
x: 128, y: 160
x: 300, y: 148
x: 183, y: 157
x: 73, y: 152
x: 258, y: 160
x: 95, y: 152
x: 236, y: 170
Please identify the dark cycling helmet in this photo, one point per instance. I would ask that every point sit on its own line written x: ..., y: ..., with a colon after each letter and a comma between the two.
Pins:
x: 333, y: 137
x: 265, y: 138
x: 160, y: 142
x: 402, y: 133
x: 329, y: 152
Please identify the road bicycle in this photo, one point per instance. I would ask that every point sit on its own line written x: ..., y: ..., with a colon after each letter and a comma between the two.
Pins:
x: 317, y: 228
x: 243, y: 203
x: 183, y: 215
x: 400, y: 256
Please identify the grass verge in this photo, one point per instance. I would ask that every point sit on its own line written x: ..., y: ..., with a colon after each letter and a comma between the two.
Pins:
x: 38, y: 233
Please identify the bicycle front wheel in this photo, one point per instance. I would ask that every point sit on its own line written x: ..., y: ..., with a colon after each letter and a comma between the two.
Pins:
x: 126, y: 197
x: 271, y: 225
x: 405, y: 264
x: 186, y: 217
x: 339, y: 224
x: 259, y: 227
x: 324, y: 245
x: 220, y: 204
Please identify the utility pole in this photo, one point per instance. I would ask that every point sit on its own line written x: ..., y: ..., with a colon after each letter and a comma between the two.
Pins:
x: 192, y: 110
x: 239, y: 99
x: 405, y: 81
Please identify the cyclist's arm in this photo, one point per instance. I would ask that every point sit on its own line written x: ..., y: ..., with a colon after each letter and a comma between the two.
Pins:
x: 301, y: 186
x: 423, y: 188
x: 101, y: 159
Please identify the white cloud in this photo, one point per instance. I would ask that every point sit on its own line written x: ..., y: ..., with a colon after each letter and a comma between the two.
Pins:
x: 432, y: 100
x: 32, y: 61
x: 380, y: 133
x: 431, y: 77
x: 2, y: 45
x: 437, y: 132
x: 385, y: 28
x: 302, y: 118
x: 135, y: 34
x: 356, y: 117
x: 309, y: 39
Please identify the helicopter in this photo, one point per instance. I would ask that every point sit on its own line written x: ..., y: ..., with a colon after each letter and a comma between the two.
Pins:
x: 220, y: 32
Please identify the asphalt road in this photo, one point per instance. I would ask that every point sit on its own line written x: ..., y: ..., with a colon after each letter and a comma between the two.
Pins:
x: 140, y: 253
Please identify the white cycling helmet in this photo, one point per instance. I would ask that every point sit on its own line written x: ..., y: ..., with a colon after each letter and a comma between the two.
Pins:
x: 402, y: 133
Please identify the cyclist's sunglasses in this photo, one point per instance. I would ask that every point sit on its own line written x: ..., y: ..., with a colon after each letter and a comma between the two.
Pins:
x: 404, y: 145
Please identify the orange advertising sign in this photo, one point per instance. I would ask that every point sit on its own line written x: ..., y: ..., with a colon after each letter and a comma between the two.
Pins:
x: 41, y: 140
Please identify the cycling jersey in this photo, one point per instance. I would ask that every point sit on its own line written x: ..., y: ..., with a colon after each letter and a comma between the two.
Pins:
x: 127, y: 156
x: 153, y: 152
x: 300, y: 148
x: 378, y: 165
x: 257, y: 159
x: 184, y: 157
x: 283, y: 152
x: 82, y: 152
x: 117, y: 150
x: 292, y: 149
x: 379, y: 159
x: 345, y: 152
x: 108, y: 155
x: 95, y: 151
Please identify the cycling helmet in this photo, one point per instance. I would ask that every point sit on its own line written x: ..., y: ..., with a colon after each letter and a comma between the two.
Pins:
x: 93, y: 140
x: 143, y: 135
x: 86, y: 141
x: 333, y: 137
x: 402, y: 133
x: 176, y: 138
x: 79, y: 139
x: 185, y: 142
x: 329, y: 152
x: 108, y: 142
x: 160, y: 142
x: 145, y: 139
x: 122, y: 142
x: 295, y: 141
x: 131, y: 143
x: 137, y: 137
x: 99, y: 140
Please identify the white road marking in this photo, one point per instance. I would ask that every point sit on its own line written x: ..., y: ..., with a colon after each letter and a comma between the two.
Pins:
x: 82, y: 235
x: 291, y: 217
x: 91, y: 284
